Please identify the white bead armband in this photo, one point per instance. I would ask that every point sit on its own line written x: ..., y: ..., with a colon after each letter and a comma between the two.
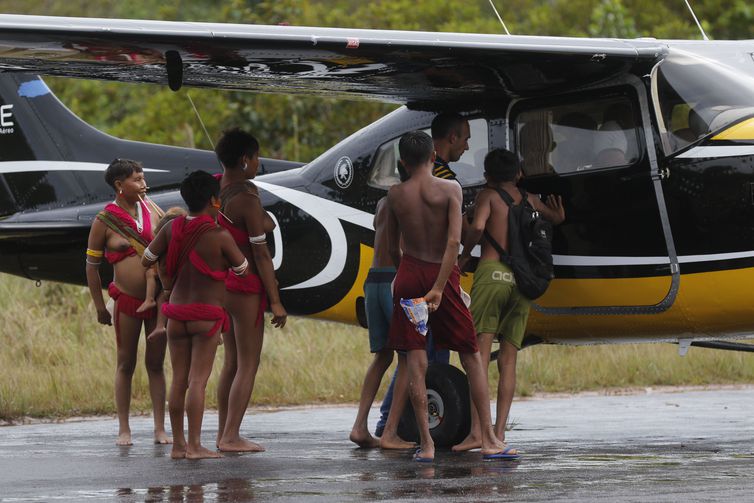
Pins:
x: 149, y: 255
x: 258, y: 240
x: 239, y: 269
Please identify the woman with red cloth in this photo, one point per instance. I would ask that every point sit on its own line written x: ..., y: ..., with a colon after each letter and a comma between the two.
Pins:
x: 120, y: 233
x: 247, y: 221
x: 198, y: 254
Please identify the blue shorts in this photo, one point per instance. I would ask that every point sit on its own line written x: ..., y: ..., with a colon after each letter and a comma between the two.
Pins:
x: 378, y: 297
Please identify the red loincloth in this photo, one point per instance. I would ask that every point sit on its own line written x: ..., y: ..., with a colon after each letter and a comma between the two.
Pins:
x: 250, y: 285
x: 451, y: 324
x: 198, y: 312
x: 127, y: 305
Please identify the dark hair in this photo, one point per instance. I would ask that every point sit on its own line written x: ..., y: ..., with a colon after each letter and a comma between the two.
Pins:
x: 120, y: 169
x: 415, y: 148
x: 445, y: 123
x: 234, y: 144
x: 197, y: 190
x: 501, y: 165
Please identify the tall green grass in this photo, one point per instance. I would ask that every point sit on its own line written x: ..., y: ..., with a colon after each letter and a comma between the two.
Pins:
x: 56, y: 361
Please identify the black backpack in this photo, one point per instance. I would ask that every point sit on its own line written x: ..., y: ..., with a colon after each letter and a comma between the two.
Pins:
x: 530, y: 245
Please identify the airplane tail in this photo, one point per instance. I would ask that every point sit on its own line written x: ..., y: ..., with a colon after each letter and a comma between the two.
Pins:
x: 50, y: 158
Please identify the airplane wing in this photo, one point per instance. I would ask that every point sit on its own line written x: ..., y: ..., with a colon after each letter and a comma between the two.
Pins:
x: 393, y: 66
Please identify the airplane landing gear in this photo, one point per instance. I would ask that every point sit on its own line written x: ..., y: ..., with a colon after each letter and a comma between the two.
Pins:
x: 448, y: 407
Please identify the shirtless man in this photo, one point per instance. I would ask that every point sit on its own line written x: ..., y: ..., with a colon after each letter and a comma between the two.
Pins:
x: 198, y: 255
x: 499, y: 309
x: 119, y: 234
x: 424, y: 214
x: 379, y: 307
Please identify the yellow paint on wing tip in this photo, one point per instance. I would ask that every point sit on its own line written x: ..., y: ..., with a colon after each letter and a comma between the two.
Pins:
x: 742, y: 131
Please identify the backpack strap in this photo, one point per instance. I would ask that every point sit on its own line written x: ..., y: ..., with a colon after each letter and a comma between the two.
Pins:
x: 504, y: 257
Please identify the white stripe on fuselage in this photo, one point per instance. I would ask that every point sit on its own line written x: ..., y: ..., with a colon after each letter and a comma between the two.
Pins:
x: 717, y: 151
x: 328, y: 214
x: 36, y: 166
x: 593, y: 261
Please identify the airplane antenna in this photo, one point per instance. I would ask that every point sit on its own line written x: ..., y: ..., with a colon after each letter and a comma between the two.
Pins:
x: 704, y: 35
x: 200, y: 120
x: 499, y: 18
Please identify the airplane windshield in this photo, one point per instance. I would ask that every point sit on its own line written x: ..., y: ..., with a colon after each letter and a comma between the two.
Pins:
x: 696, y: 96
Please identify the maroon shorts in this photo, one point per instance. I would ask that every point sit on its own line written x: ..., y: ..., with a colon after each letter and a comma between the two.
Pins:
x: 451, y: 325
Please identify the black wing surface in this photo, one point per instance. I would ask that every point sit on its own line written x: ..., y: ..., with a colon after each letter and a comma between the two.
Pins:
x: 401, y: 67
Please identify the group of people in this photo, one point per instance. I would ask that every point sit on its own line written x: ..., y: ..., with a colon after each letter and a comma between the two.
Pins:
x: 188, y: 277
x: 419, y: 228
x: 196, y: 278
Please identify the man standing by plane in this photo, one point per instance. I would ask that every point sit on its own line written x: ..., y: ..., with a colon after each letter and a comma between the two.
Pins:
x: 499, y: 309
x: 450, y: 134
x: 425, y: 216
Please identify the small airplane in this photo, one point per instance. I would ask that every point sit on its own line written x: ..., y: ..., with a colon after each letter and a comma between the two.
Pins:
x: 650, y: 143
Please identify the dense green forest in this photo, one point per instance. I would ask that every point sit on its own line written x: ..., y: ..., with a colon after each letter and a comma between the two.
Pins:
x: 300, y: 128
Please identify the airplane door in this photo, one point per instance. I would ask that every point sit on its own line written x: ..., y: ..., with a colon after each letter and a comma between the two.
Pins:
x: 614, y: 254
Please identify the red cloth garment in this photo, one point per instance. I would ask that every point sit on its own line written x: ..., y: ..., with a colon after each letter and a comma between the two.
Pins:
x: 451, y: 324
x: 120, y: 221
x: 127, y: 305
x: 113, y: 257
x: 184, y: 235
x: 250, y: 285
x: 126, y: 218
x: 240, y: 236
x: 201, y: 266
x: 198, y: 312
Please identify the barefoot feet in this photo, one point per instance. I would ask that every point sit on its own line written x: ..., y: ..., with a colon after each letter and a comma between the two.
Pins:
x: 162, y: 438
x: 363, y: 438
x: 124, y: 438
x: 179, y: 451
x: 146, y: 305
x: 239, y: 445
x: 157, y: 333
x: 393, y: 441
x: 201, y: 453
x: 470, y: 442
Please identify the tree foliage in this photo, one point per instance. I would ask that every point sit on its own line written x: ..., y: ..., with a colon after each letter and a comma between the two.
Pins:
x: 300, y: 128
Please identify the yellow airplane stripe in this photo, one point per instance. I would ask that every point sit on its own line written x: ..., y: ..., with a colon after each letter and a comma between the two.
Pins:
x: 741, y: 131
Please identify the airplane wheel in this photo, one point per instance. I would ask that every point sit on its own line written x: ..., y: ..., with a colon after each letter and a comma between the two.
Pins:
x: 448, y: 407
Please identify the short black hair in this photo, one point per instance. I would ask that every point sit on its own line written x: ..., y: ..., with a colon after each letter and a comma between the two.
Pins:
x: 501, y: 165
x: 197, y: 190
x: 120, y: 169
x: 445, y: 123
x: 234, y: 144
x: 415, y: 148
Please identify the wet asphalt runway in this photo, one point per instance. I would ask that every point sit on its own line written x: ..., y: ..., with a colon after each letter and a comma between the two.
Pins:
x: 659, y: 446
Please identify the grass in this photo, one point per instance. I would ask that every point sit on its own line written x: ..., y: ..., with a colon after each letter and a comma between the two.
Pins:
x: 56, y: 361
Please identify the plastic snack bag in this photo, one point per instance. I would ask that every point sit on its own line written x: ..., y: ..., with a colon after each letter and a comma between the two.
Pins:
x: 417, y: 312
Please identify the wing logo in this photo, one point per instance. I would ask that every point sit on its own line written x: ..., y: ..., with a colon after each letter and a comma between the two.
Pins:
x: 343, y: 172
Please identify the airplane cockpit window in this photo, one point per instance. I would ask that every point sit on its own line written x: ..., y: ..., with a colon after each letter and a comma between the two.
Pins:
x: 577, y: 136
x: 469, y: 168
x: 695, y: 96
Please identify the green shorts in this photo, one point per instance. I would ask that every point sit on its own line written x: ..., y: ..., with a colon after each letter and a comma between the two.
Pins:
x: 496, y: 304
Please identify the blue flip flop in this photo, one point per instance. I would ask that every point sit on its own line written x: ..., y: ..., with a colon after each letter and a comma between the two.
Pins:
x: 420, y: 459
x: 506, y: 454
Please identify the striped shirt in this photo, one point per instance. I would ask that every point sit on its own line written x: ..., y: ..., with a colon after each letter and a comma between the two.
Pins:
x: 441, y: 169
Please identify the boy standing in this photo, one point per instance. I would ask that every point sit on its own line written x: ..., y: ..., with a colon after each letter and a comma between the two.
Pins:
x: 425, y: 216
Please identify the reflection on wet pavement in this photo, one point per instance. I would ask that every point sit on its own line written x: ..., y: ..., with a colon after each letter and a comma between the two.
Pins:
x: 695, y: 446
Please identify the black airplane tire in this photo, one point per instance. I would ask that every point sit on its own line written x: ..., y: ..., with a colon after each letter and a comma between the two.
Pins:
x: 448, y: 407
